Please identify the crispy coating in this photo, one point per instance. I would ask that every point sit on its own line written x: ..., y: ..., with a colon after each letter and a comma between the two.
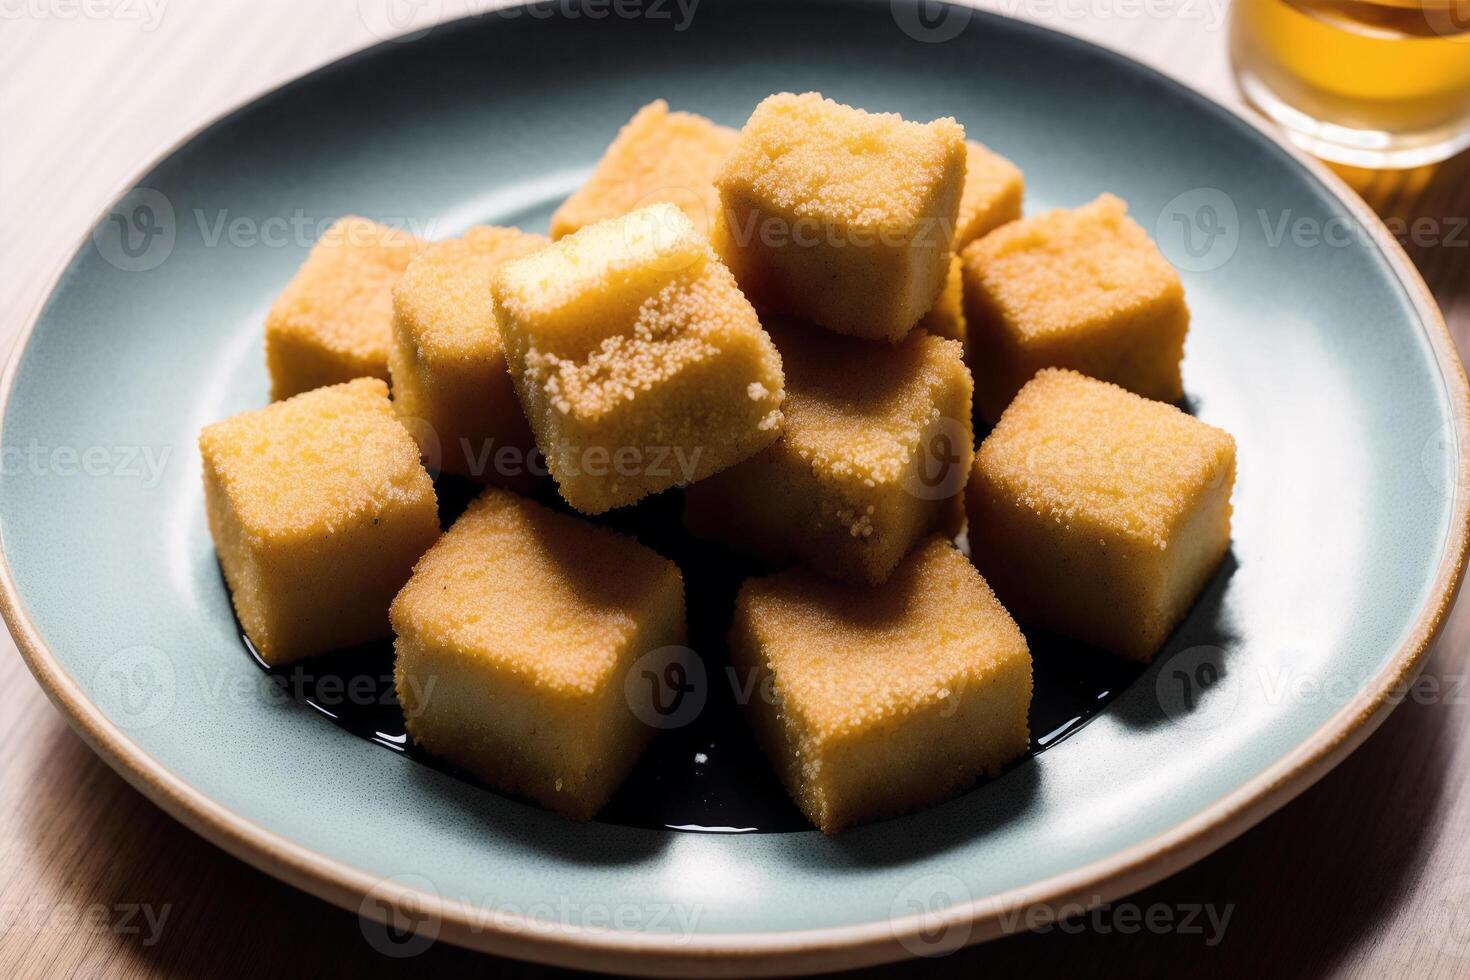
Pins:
x: 639, y: 363
x: 1084, y: 289
x: 448, y: 363
x: 992, y: 196
x: 840, y: 216
x: 946, y: 318
x: 319, y: 507
x: 1099, y: 513
x: 657, y: 156
x: 876, y: 450
x: 883, y: 700
x: 333, y: 322
x: 515, y: 636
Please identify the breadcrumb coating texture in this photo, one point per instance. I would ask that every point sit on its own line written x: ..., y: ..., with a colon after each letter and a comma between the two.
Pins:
x: 1084, y: 289
x: 674, y: 329
x: 946, y: 318
x: 442, y: 303
x: 590, y: 286
x: 1062, y: 270
x: 816, y: 158
x: 317, y: 462
x: 847, y: 660
x: 333, y: 322
x: 1094, y: 457
x: 451, y: 384
x: 657, y: 156
x: 855, y: 411
x: 1098, y: 514
x: 515, y: 637
x: 883, y: 700
x: 841, y: 217
x: 992, y: 196
x: 551, y: 598
x: 318, y: 508
x: 631, y: 336
x: 873, y: 437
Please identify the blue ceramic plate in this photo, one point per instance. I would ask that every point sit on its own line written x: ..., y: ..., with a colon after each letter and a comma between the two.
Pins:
x: 1313, y: 342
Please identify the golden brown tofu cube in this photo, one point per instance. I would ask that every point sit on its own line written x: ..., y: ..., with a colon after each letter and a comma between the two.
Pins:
x: 334, y: 320
x: 875, y: 455
x: 946, y: 318
x: 515, y: 637
x: 1099, y: 514
x: 992, y: 196
x: 451, y: 385
x: 1084, y: 289
x: 659, y: 156
x: 884, y: 700
x: 638, y: 362
x: 839, y: 216
x: 319, y: 507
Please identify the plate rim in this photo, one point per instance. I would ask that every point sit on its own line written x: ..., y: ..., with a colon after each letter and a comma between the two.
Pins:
x: 807, y: 950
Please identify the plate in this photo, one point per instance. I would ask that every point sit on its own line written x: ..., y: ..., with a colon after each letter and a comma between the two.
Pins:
x: 1313, y: 341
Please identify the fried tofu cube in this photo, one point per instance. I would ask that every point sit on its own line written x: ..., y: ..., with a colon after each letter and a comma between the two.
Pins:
x: 334, y: 320
x: 946, y: 318
x: 638, y: 362
x: 659, y: 156
x: 842, y: 217
x: 515, y: 637
x: 992, y: 195
x: 1084, y: 289
x: 451, y: 385
x: 1100, y: 514
x: 875, y: 455
x: 319, y: 507
x: 885, y: 700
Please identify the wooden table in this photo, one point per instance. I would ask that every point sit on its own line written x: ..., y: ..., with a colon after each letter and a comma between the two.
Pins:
x: 1366, y: 874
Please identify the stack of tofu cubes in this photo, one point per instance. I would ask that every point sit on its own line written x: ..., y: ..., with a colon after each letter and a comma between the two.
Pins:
x: 795, y: 322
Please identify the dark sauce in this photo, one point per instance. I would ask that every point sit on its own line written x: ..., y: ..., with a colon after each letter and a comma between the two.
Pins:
x: 708, y: 776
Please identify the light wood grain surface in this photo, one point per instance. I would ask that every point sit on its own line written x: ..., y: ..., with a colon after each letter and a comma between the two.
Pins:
x: 1367, y: 874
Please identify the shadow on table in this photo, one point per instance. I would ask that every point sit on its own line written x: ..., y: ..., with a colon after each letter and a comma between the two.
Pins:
x: 1301, y: 895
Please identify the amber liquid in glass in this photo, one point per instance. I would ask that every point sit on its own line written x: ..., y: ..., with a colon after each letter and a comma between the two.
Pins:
x: 1378, y: 84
